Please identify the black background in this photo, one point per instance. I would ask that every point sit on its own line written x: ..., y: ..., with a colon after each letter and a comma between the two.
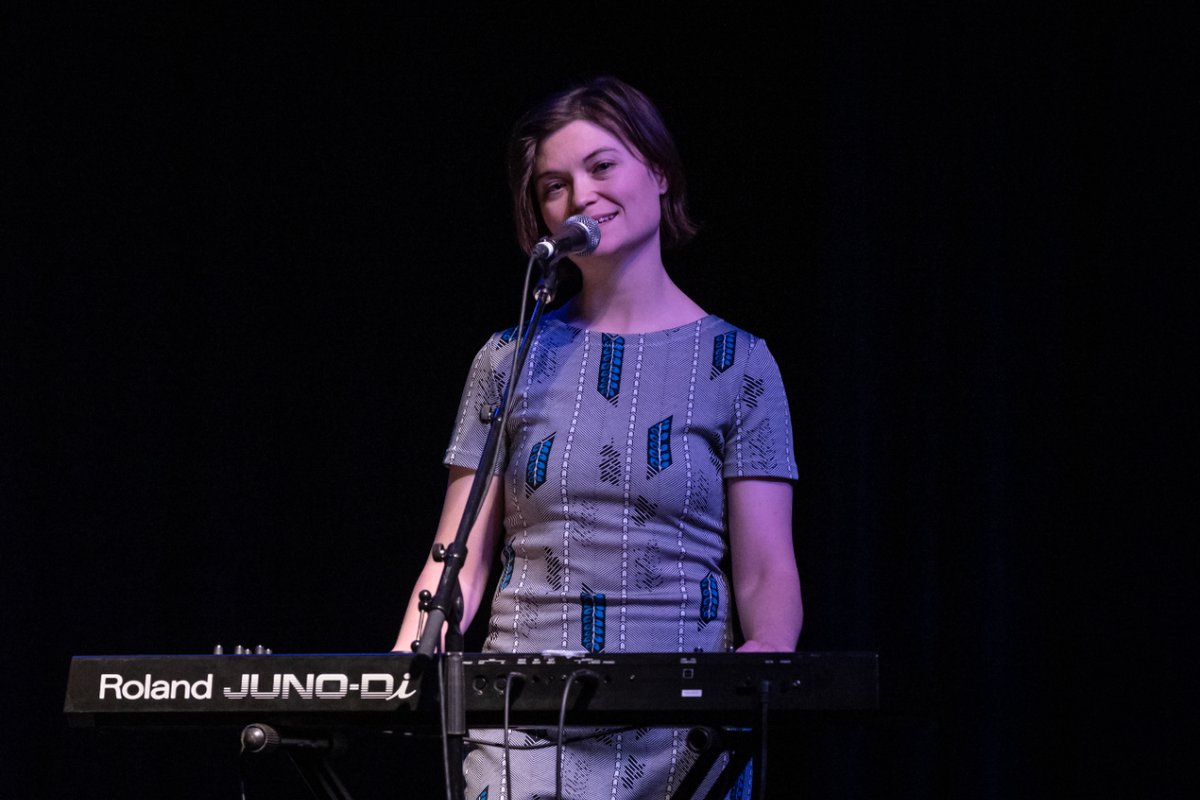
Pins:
x: 253, y: 248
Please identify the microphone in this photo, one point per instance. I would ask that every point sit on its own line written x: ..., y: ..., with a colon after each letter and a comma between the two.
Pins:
x: 578, y: 236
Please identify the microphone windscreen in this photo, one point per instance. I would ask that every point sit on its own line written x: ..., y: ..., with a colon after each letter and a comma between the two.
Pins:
x: 592, y: 229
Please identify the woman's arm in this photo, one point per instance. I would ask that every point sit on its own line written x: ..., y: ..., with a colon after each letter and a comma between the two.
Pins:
x: 766, y: 581
x: 481, y: 547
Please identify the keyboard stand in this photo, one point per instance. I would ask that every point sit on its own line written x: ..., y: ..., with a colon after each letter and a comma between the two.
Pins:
x: 310, y: 756
x: 740, y: 744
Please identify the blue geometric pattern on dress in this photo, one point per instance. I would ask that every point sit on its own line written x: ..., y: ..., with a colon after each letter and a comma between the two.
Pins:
x: 484, y: 794
x: 658, y: 447
x: 592, y: 636
x: 710, y: 599
x: 535, y: 470
x: 612, y: 353
x: 508, y: 335
x: 507, y: 556
x: 724, y: 347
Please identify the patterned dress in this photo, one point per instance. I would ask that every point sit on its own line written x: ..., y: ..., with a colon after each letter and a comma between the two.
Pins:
x: 614, y: 464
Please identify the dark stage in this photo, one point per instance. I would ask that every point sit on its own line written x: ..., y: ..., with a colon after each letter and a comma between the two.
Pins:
x: 251, y: 250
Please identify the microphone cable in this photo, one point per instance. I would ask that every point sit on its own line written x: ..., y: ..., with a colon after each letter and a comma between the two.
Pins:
x: 445, y: 729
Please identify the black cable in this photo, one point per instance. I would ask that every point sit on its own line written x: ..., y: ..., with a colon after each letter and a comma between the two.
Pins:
x: 758, y: 771
x: 242, y: 770
x: 558, y: 750
x: 502, y: 422
x: 445, y: 730
x: 508, y: 682
x: 562, y: 724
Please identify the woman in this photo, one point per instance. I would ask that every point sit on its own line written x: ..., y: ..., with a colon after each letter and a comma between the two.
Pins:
x: 648, y: 445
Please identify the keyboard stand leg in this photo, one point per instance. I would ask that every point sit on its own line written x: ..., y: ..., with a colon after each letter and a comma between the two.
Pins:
x: 319, y: 776
x: 308, y: 753
x: 706, y: 742
x: 711, y: 743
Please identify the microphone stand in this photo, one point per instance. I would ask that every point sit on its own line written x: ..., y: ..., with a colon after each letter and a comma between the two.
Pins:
x: 444, y: 607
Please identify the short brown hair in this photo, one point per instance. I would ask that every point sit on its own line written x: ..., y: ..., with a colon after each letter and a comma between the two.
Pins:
x: 625, y: 112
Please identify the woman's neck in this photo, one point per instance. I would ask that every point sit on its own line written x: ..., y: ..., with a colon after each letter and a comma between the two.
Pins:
x: 630, y: 298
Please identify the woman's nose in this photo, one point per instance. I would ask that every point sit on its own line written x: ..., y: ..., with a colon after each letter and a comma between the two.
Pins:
x: 583, y: 196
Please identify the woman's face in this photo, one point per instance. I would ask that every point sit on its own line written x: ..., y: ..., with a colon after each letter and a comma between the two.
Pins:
x: 582, y: 168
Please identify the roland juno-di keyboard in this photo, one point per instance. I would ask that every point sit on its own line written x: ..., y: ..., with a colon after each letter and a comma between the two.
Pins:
x: 401, y: 691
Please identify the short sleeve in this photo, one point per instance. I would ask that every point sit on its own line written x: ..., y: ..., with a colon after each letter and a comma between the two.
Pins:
x: 759, y: 444
x: 481, y: 394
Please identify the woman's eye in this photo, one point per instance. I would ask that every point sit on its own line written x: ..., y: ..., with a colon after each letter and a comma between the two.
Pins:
x: 550, y: 189
x: 602, y: 166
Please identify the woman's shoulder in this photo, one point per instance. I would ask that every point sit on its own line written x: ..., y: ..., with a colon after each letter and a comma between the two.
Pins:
x: 732, y: 331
